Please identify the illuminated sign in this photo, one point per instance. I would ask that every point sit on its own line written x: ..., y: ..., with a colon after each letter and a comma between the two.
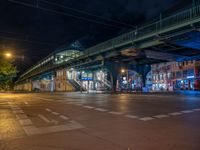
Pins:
x: 86, y: 77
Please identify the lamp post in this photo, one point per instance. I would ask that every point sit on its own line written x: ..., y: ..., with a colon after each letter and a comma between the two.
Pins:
x: 81, y: 87
x: 8, y: 55
x: 127, y: 80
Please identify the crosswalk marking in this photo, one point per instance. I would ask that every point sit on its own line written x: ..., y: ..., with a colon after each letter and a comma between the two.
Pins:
x: 64, y: 117
x: 175, y: 113
x: 15, y: 108
x: 47, y: 109
x: 21, y: 116
x: 186, y: 111
x: 55, y: 113
x: 197, y: 109
x: 47, y: 120
x: 115, y: 113
x: 25, y: 122
x: 101, y: 109
x: 79, y: 104
x: 32, y: 130
x: 89, y: 107
x: 70, y: 103
x: 131, y: 116
x: 146, y: 118
x: 161, y: 116
x: 18, y: 111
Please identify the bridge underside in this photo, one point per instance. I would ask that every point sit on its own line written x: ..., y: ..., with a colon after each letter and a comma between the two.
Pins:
x: 181, y: 47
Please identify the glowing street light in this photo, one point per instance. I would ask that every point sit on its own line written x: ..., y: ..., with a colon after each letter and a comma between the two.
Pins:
x: 8, y: 55
x: 123, y: 71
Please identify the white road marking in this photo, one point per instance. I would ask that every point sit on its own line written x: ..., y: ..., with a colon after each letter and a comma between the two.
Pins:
x: 47, y: 120
x: 175, y: 113
x: 79, y: 104
x: 10, y: 103
x: 115, y: 113
x: 55, y: 113
x: 197, y: 109
x: 18, y: 111
x: 47, y: 99
x: 47, y: 109
x: 21, y: 116
x: 101, y: 109
x: 161, y: 116
x: 25, y: 122
x: 70, y: 103
x: 131, y: 116
x: 64, y: 117
x: 15, y: 108
x: 32, y: 130
x: 187, y: 111
x: 89, y: 107
x: 146, y: 118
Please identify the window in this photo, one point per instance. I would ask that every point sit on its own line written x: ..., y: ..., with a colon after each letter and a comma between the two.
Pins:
x: 178, y: 74
x: 185, y: 73
x: 190, y: 72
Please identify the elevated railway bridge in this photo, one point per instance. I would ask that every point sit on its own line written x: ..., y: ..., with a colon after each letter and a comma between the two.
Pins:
x: 173, y: 38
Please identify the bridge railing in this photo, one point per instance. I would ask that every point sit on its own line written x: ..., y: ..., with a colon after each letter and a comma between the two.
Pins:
x: 154, y: 28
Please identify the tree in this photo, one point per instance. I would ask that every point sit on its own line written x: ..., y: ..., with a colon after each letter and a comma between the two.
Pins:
x: 7, y: 72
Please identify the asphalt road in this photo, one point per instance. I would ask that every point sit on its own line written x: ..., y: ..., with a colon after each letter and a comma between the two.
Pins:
x: 73, y: 121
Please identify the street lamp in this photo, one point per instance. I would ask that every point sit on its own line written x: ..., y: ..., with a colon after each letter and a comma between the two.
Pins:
x: 8, y: 55
x: 123, y: 71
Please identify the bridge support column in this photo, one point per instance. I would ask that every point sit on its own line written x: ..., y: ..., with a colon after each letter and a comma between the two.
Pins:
x: 30, y: 85
x: 94, y: 78
x: 143, y: 70
x: 52, y: 83
x: 113, y: 68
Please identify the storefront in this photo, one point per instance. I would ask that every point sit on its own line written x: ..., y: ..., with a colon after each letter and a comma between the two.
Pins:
x: 176, y: 76
x: 129, y: 81
x: 87, y: 80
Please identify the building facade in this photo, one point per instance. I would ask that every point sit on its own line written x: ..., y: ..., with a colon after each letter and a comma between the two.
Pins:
x: 176, y: 76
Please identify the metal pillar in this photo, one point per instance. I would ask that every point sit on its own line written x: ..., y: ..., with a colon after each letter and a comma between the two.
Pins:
x: 93, y: 77
x: 113, y: 69
x: 81, y: 87
x: 143, y: 70
x: 88, y: 86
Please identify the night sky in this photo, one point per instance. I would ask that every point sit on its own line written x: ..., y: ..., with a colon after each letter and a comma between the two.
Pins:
x: 35, y: 32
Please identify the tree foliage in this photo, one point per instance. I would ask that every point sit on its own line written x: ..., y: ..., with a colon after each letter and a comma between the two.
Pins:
x: 7, y: 72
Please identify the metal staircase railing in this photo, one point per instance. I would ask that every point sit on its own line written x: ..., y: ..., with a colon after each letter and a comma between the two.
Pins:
x: 106, y: 83
x: 75, y: 84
